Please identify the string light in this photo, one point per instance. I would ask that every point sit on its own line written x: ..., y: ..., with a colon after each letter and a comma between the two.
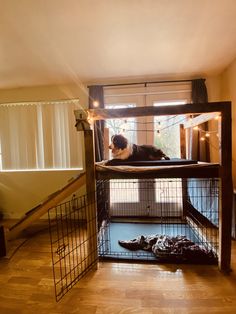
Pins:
x: 205, y: 137
x: 152, y: 122
x: 90, y: 118
x: 205, y: 134
x: 95, y: 103
x: 124, y: 128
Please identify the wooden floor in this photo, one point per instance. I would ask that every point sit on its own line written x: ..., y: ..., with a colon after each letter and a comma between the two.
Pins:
x: 27, y: 286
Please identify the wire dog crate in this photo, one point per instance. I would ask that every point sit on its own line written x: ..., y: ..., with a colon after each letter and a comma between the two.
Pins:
x: 161, y: 220
x: 179, y: 216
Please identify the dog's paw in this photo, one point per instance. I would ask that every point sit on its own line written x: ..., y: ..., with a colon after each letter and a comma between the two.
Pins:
x: 112, y: 162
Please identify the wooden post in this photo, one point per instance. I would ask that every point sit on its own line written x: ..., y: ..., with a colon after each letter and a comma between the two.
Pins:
x: 182, y: 141
x: 106, y: 143
x: 184, y: 180
x: 3, y: 242
x: 225, y: 214
x: 91, y: 210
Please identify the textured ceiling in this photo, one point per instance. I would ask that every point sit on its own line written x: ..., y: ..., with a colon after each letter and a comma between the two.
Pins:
x: 62, y: 41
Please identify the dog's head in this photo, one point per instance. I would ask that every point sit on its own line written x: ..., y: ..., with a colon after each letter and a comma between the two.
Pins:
x: 118, y: 144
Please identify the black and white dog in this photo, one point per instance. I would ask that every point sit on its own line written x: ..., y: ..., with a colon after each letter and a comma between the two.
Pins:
x: 122, y: 150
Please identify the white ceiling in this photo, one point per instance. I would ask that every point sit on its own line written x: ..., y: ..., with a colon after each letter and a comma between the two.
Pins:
x: 60, y: 41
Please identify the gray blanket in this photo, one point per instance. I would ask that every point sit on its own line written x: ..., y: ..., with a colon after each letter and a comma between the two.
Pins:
x: 169, y: 248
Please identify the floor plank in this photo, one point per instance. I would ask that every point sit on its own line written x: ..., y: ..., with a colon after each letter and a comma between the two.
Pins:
x: 26, y: 286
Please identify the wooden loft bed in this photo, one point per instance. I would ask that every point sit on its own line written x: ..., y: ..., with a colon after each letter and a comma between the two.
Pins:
x: 222, y: 170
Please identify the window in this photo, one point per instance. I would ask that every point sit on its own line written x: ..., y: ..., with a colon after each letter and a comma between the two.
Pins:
x: 167, y: 130
x: 144, y: 130
x: 117, y: 126
x: 120, y: 192
x: 167, y: 138
x: 39, y: 136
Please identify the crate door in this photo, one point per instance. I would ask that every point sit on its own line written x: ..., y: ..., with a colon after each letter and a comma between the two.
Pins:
x: 73, y: 236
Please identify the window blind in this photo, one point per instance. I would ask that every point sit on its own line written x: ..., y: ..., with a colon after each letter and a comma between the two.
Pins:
x: 39, y: 135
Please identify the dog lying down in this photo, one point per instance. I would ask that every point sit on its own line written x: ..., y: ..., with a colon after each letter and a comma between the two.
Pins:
x: 122, y: 150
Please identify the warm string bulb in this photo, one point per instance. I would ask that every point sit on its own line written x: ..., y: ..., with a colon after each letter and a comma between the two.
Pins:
x: 124, y: 126
x: 95, y: 103
x: 158, y: 133
x: 206, y: 134
x: 158, y: 130
x: 90, y: 118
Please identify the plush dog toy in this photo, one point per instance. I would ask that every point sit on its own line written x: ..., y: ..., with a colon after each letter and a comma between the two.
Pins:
x: 122, y: 150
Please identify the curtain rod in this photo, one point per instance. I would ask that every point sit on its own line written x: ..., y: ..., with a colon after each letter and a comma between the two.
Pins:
x: 144, y: 83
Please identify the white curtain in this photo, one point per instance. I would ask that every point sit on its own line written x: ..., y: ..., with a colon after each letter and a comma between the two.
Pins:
x: 39, y: 136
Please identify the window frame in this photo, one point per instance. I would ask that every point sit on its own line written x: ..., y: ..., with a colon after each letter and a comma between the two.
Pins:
x: 146, y: 96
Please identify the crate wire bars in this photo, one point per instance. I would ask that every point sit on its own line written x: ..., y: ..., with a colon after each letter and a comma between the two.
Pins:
x: 171, y: 207
x: 71, y: 233
x: 126, y: 209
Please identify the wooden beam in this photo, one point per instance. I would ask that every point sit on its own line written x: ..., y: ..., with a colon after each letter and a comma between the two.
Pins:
x: 204, y: 117
x: 3, y: 242
x: 103, y: 114
x: 40, y: 210
x: 91, y: 208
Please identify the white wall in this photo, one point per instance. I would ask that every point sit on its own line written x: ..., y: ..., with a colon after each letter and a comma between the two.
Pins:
x: 21, y: 191
x: 45, y: 93
x: 228, y: 92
